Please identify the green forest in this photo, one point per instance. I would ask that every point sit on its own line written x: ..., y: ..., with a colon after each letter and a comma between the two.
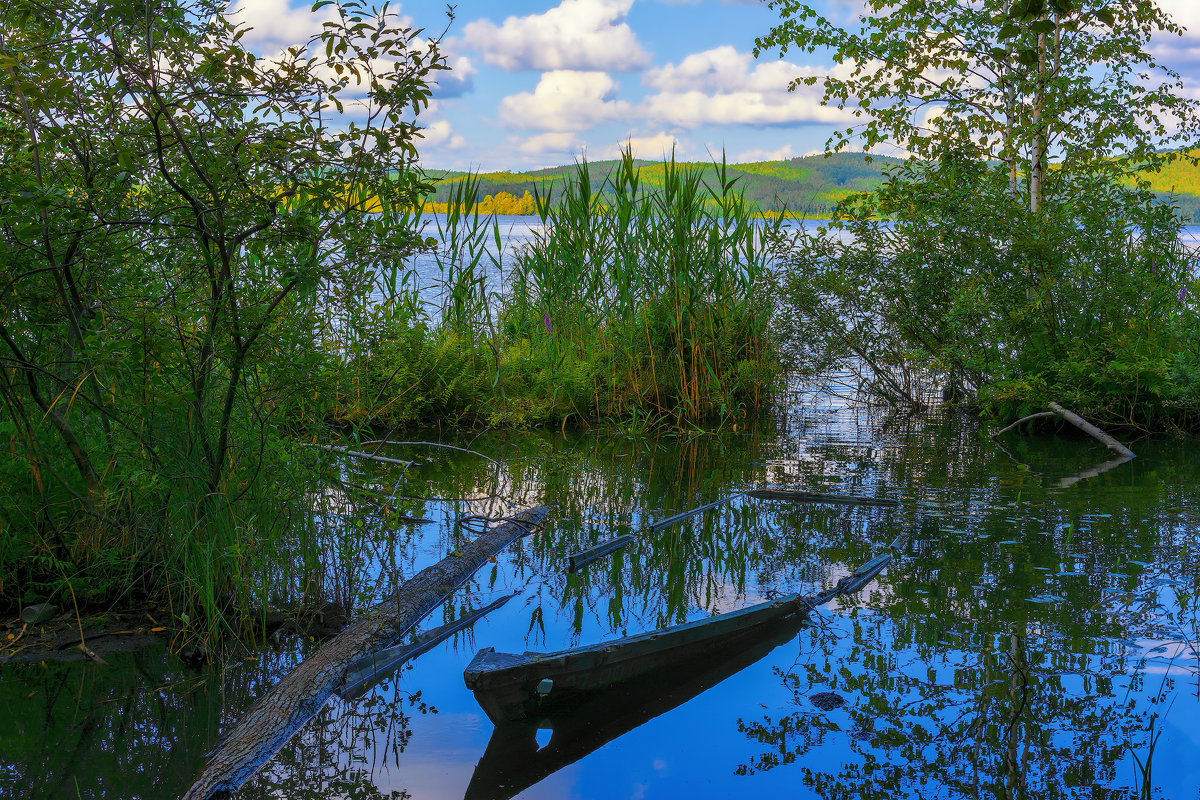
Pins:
x: 808, y: 186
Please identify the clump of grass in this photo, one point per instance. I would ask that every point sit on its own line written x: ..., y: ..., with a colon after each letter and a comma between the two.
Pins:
x: 627, y: 303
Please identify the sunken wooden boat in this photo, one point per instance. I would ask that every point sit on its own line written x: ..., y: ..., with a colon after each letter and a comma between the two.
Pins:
x: 532, y: 685
x: 514, y: 760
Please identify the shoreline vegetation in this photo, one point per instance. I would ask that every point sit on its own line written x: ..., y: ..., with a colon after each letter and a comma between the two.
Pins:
x: 194, y: 295
x: 633, y: 303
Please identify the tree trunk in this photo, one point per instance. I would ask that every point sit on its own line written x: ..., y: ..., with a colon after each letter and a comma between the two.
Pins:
x: 279, y: 714
x: 1037, y: 166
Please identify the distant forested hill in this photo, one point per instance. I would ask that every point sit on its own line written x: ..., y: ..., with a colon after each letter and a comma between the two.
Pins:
x: 808, y: 186
x: 1179, y: 184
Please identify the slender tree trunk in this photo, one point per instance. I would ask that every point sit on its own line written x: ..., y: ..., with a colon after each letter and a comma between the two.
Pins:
x: 1037, y: 167
x: 1010, y: 112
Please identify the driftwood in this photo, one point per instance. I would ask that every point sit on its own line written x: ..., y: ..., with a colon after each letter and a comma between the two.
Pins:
x: 1080, y: 423
x: 1022, y: 421
x: 280, y: 713
x: 855, y: 581
x: 799, y: 496
x: 1093, y: 431
x: 333, y: 448
x: 371, y: 669
x: 662, y: 523
x: 779, y: 493
x: 578, y: 560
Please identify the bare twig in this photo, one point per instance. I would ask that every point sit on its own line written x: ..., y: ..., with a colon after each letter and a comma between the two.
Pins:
x: 359, y: 454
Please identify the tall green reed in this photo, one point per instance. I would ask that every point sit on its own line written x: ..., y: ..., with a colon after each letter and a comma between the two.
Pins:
x: 666, y: 287
x: 633, y: 300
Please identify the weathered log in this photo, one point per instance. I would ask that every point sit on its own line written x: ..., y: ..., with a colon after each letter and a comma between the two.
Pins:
x: 662, y: 523
x: 372, y: 668
x: 1080, y: 423
x: 280, y: 713
x: 1093, y: 431
x: 578, y: 560
x: 800, y: 496
x: 334, y: 448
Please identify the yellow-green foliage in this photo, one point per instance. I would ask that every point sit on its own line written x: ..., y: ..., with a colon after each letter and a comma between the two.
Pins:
x: 1181, y: 176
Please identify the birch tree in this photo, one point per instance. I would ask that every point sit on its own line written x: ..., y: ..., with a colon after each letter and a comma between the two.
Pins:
x: 1021, y: 84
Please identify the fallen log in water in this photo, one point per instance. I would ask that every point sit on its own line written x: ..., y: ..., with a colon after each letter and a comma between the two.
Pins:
x: 1093, y: 431
x: 800, y: 496
x: 373, y: 668
x: 578, y: 560
x: 334, y: 448
x: 280, y: 713
x: 1080, y: 423
x: 662, y: 523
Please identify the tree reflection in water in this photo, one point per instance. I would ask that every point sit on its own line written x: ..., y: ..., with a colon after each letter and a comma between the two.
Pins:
x: 995, y: 708
x: 1020, y: 647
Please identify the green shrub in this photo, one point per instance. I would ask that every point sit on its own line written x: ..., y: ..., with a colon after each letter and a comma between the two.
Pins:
x: 945, y: 285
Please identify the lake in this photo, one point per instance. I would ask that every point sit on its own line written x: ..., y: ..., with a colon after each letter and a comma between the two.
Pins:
x: 1035, y: 637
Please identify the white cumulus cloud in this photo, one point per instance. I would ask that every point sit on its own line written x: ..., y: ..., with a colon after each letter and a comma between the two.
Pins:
x: 724, y: 86
x: 763, y: 154
x: 277, y: 24
x: 576, y: 34
x: 565, y: 100
x: 441, y: 135
x: 1179, y: 52
x: 652, y: 147
x: 558, y: 144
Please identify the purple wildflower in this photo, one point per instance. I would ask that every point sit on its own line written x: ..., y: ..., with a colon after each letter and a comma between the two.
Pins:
x: 547, y: 318
x: 1182, y: 294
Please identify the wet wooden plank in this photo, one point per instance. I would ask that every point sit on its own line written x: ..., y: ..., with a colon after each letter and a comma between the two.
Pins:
x: 579, y: 560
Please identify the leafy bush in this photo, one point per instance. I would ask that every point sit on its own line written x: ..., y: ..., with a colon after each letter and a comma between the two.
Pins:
x: 945, y: 284
x: 175, y: 214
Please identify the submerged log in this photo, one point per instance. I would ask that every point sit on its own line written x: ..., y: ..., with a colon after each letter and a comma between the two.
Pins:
x: 280, y: 713
x: 578, y: 560
x: 800, y: 496
x: 662, y: 523
x: 371, y: 669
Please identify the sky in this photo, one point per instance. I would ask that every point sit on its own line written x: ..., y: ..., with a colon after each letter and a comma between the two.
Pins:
x: 538, y: 83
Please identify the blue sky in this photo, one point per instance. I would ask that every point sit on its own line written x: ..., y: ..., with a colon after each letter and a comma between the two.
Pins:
x: 542, y: 82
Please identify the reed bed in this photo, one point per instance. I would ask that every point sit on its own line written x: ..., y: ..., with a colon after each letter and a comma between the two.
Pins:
x: 628, y: 304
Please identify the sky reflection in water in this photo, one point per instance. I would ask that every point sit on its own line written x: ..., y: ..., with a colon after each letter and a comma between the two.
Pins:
x: 1021, y: 647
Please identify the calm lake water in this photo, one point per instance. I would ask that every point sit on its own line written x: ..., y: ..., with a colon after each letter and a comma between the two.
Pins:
x: 516, y: 232
x: 1036, y: 637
